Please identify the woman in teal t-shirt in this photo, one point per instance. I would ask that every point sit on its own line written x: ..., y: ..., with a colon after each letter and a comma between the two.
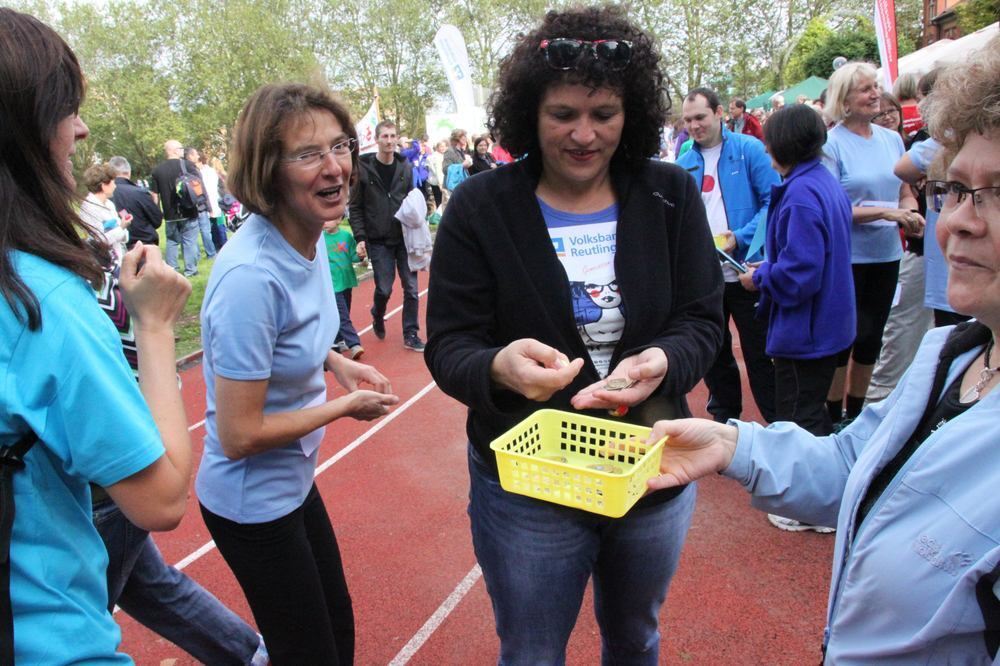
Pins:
x: 62, y: 372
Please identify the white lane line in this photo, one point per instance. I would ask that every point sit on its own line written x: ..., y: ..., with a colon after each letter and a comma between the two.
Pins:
x: 208, y: 547
x: 196, y: 425
x: 439, y: 616
x: 374, y: 429
x: 388, y: 314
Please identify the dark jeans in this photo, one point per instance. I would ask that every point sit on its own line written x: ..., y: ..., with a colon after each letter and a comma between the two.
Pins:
x: 801, y: 388
x: 347, y: 332
x: 219, y: 236
x: 164, y: 599
x: 182, y: 235
x: 293, y: 578
x: 386, y: 261
x: 723, y: 378
x: 537, y: 558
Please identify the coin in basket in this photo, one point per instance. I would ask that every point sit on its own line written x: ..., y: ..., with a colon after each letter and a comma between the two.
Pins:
x: 604, y: 467
x: 558, y: 459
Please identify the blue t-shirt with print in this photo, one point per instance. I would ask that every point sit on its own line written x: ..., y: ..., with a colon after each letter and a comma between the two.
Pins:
x: 585, y: 244
x: 864, y: 168
x: 269, y: 313
x: 70, y: 384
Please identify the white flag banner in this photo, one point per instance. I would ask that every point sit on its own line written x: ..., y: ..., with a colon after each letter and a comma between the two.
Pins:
x: 366, y: 130
x: 455, y: 60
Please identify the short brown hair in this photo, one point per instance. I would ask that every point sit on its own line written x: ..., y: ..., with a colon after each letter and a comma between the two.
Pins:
x: 457, y: 135
x: 257, y: 148
x: 96, y: 176
x: 382, y: 125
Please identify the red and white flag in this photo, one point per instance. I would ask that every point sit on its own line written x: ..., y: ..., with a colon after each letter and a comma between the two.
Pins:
x: 366, y: 129
x: 885, y: 31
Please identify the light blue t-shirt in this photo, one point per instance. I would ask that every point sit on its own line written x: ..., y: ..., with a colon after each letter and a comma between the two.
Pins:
x: 936, y: 268
x: 68, y: 382
x: 864, y: 168
x: 585, y: 244
x: 268, y: 313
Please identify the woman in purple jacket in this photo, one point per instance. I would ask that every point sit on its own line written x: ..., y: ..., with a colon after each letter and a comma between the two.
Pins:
x: 806, y: 284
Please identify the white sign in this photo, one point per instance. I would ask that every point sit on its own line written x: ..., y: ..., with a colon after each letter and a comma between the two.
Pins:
x: 455, y: 60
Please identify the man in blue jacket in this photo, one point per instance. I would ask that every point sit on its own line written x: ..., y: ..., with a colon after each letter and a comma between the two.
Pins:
x: 735, y: 177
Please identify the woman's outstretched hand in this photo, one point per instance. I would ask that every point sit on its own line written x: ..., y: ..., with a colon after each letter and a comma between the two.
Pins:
x: 694, y: 448
x: 533, y: 369
x: 645, y: 370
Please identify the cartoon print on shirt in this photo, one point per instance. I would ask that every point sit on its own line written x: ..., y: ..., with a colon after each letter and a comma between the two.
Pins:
x: 598, y: 311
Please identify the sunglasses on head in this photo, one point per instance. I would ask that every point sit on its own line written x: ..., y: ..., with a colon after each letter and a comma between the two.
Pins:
x: 563, y: 53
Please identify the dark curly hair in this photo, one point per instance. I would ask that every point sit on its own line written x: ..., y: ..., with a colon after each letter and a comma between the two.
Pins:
x: 524, y: 78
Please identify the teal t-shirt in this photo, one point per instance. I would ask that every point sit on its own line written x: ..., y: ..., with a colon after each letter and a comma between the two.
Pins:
x: 342, y: 252
x: 864, y: 169
x: 68, y: 382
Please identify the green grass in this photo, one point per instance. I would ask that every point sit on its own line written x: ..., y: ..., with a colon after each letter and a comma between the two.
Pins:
x: 188, y: 330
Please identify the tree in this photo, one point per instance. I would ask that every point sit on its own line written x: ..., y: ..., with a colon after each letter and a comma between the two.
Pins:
x: 384, y: 45
x: 490, y: 29
x: 128, y: 103
x: 854, y: 43
x: 222, y: 59
x: 976, y: 14
x: 815, y: 35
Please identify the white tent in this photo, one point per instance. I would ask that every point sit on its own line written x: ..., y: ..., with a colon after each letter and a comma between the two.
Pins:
x: 945, y: 51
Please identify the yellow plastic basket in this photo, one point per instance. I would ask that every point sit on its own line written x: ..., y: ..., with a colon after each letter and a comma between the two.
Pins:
x: 583, y: 462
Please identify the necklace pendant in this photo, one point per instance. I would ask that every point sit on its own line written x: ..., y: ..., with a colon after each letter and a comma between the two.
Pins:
x: 974, y: 393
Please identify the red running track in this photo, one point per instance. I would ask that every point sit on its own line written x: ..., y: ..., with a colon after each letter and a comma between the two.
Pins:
x: 396, y: 491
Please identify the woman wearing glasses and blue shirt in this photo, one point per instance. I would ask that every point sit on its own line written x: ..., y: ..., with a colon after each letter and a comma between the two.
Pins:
x: 582, y: 262
x: 910, y: 484
x: 269, y: 319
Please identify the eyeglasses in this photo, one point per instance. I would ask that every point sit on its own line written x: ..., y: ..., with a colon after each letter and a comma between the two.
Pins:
x: 886, y: 114
x: 313, y: 158
x: 947, y: 195
x: 564, y: 53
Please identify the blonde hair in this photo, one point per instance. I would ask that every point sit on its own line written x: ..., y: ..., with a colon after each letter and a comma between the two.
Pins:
x: 965, y: 100
x: 905, y: 87
x: 841, y: 84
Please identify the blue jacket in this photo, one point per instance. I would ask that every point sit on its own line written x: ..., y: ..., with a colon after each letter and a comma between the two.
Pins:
x: 904, y: 588
x: 746, y: 177
x: 806, y: 286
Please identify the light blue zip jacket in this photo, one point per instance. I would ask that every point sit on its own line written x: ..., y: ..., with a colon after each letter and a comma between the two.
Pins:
x: 745, y: 176
x: 903, y: 591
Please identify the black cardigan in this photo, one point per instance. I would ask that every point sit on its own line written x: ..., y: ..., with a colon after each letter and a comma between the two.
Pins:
x: 495, y: 278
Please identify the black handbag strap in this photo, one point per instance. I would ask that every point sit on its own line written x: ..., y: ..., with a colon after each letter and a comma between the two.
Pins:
x: 11, y: 460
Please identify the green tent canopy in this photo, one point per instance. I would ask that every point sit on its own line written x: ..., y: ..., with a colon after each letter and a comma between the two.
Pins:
x: 762, y: 101
x: 811, y: 88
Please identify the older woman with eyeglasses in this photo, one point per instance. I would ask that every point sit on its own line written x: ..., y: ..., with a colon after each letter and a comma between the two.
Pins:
x: 581, y: 268
x: 269, y: 320
x: 861, y: 155
x: 911, y: 484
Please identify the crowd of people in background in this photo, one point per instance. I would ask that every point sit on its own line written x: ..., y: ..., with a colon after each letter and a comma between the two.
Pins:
x: 834, y: 233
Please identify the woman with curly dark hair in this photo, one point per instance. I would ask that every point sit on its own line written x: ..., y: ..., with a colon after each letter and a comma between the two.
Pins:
x: 582, y: 263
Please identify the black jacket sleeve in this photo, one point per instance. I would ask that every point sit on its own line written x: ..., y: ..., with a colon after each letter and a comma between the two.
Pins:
x: 461, y: 311
x: 694, y: 334
x: 356, y: 207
